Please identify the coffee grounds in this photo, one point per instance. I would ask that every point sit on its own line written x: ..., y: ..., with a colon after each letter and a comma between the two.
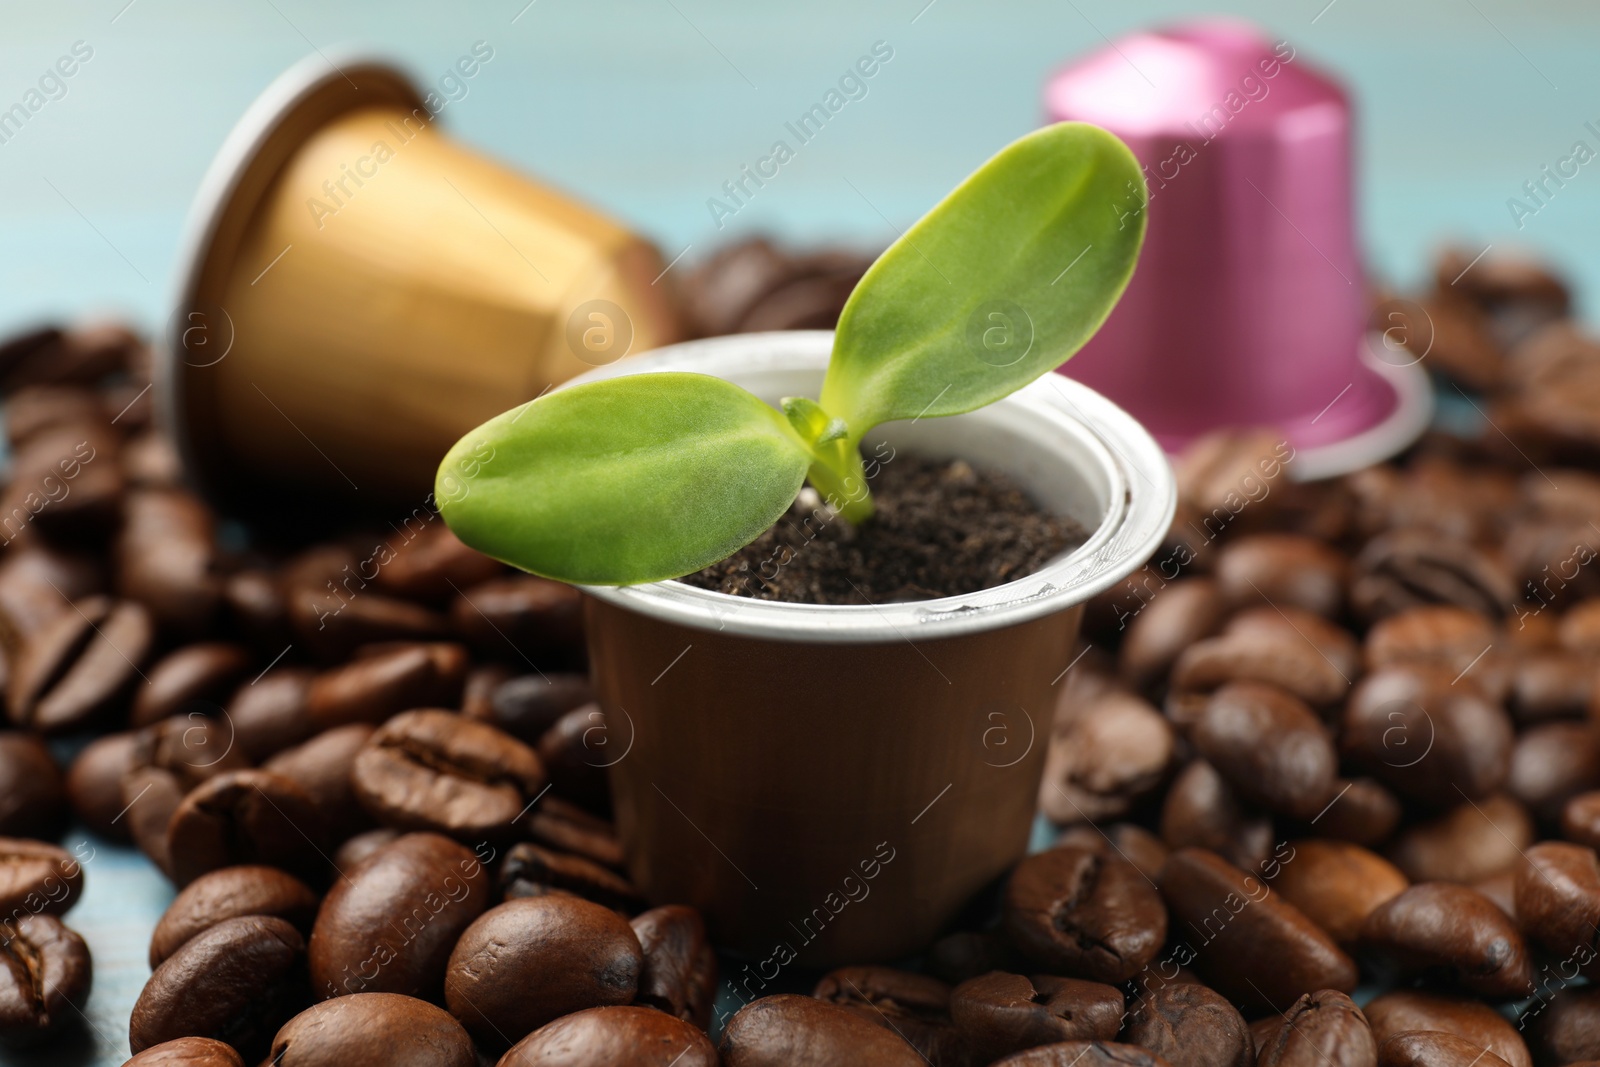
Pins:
x: 940, y: 529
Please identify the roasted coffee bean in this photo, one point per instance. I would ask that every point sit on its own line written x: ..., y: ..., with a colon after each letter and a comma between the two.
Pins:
x: 45, y: 975
x: 188, y: 1052
x: 258, y: 608
x: 80, y: 666
x: 1502, y: 889
x: 1580, y: 819
x: 1323, y: 1027
x: 969, y: 953
x: 1074, y: 912
x: 149, y: 458
x: 1269, y: 747
x: 679, y: 975
x: 1187, y: 611
x: 362, y: 845
x: 575, y: 753
x: 37, y: 877
x: 1557, y: 899
x: 39, y: 583
x: 375, y: 687
x: 1255, y: 948
x: 521, y: 616
x: 33, y: 792
x: 321, y: 767
x: 1219, y: 472
x: 526, y: 706
x: 231, y: 893
x: 149, y: 798
x: 915, y: 1006
x: 42, y: 345
x: 568, y: 828
x: 246, y: 817
x: 1190, y: 1025
x: 1336, y: 644
x: 1579, y: 629
x: 1182, y: 707
x: 531, y: 871
x: 1425, y: 738
x: 1565, y: 1029
x: 1518, y: 295
x: 808, y: 303
x: 795, y: 1031
x: 719, y: 292
x: 1362, y: 812
x: 435, y: 885
x: 1337, y: 885
x: 1402, y: 1010
x: 618, y: 1036
x: 237, y: 982
x: 1104, y: 757
x: 166, y: 558
x: 526, y: 962
x: 196, y: 678
x: 1282, y: 569
x: 809, y: 295
x: 1264, y: 1031
x: 1200, y: 810
x: 1551, y: 685
x: 1002, y: 1013
x: 373, y: 1030
x: 1287, y: 660
x: 1411, y: 568
x: 1455, y: 931
x: 82, y: 355
x: 1092, y: 677
x: 1450, y: 638
x: 192, y: 748
x: 477, y: 693
x: 1083, y: 1054
x: 333, y: 611
x: 1434, y: 1048
x: 1132, y: 842
x: 1471, y: 842
x: 65, y: 483
x: 1538, y: 547
x: 36, y: 408
x: 1552, y: 763
x: 272, y: 712
x: 434, y: 770
x: 1168, y: 972
x: 109, y: 779
x: 431, y: 565
x: 132, y: 410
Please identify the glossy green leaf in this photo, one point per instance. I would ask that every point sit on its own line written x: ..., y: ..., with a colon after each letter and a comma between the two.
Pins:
x: 1001, y: 282
x: 654, y: 476
x: 634, y: 479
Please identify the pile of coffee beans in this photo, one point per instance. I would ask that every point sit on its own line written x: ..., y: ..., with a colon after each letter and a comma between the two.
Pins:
x: 371, y: 768
x: 754, y: 285
x: 1333, y: 735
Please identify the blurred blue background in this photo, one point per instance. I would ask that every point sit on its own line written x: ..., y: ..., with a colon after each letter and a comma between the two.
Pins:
x: 645, y: 107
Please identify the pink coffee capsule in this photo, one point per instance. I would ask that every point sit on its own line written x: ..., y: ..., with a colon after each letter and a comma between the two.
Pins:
x: 1248, y: 307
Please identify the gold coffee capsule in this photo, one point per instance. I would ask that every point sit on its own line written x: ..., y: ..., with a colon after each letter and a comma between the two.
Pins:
x: 359, y: 290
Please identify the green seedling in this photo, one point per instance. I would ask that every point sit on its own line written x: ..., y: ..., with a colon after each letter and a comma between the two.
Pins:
x: 652, y: 476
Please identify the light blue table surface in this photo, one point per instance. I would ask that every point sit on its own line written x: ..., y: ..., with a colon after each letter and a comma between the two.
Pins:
x: 645, y: 107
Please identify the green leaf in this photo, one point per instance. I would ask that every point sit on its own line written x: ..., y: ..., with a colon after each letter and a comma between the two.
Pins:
x: 812, y: 423
x: 1001, y: 282
x: 633, y: 479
